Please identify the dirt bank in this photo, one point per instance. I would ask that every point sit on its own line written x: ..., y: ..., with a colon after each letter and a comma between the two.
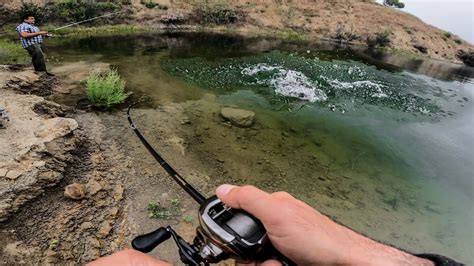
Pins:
x: 48, y: 147
x: 351, y: 21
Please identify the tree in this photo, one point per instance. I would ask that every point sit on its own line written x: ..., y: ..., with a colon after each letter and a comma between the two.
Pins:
x: 394, y: 3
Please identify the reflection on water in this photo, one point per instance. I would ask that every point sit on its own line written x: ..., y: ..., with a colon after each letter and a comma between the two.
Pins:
x: 380, y: 143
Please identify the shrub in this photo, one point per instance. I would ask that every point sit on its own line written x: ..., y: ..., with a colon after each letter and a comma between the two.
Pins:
x: 466, y: 56
x: 447, y: 35
x: 218, y: 14
x: 30, y: 8
x: 381, y: 39
x: 106, y: 89
x: 151, y: 4
x: 78, y: 10
x: 12, y: 53
x: 458, y: 41
x: 345, y: 36
x: 394, y: 3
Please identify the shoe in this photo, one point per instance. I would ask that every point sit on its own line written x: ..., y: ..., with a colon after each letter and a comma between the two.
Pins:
x: 50, y: 74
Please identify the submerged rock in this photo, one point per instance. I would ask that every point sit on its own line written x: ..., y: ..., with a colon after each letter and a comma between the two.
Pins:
x: 238, y: 117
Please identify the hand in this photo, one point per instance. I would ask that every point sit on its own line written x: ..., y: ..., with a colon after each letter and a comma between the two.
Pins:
x: 43, y: 33
x: 128, y: 258
x: 306, y: 236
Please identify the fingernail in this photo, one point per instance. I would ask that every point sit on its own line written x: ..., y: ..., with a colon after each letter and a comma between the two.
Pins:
x: 223, y: 190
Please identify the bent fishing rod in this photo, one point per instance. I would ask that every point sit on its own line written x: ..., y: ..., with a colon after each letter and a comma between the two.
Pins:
x: 196, y: 195
x: 87, y: 20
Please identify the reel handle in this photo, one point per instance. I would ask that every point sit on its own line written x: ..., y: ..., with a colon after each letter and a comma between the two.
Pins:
x: 147, y: 242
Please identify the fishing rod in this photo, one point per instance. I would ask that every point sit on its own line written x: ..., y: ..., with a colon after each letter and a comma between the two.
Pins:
x: 87, y: 20
x: 222, y: 232
x: 196, y: 195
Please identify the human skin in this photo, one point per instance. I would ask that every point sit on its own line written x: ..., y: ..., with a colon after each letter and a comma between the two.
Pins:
x: 306, y: 236
x: 31, y: 20
x: 298, y: 231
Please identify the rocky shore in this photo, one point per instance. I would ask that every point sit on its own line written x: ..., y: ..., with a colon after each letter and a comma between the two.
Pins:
x: 71, y: 190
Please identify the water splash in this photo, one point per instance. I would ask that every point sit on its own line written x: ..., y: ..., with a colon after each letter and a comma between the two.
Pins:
x: 288, y: 83
x: 286, y: 78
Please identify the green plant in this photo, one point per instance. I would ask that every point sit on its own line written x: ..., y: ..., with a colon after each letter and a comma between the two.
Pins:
x: 466, y: 56
x: 29, y: 8
x: 458, y: 41
x: 217, y: 14
x: 53, y: 244
x: 151, y: 4
x: 447, y: 35
x: 69, y: 11
x: 188, y: 219
x: 106, y: 89
x: 161, y: 212
x: 345, y: 36
x: 394, y: 3
x: 381, y: 39
x: 292, y: 35
x: 11, y: 52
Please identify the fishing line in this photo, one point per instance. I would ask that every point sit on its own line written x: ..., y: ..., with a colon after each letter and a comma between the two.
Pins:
x: 87, y: 20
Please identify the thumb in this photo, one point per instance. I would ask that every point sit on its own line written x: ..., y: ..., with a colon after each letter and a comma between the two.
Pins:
x: 251, y: 199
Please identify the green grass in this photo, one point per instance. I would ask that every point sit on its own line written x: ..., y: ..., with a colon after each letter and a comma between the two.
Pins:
x: 106, y: 89
x: 98, y: 31
x: 158, y: 211
x: 292, y: 35
x: 12, y: 52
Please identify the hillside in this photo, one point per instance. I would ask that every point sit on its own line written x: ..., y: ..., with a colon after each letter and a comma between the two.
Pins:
x: 347, y: 21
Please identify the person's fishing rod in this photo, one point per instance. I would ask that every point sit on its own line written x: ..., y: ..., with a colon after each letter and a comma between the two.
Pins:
x: 87, y: 20
x: 196, y: 195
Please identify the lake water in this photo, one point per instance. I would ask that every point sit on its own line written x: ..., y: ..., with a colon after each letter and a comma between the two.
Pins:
x: 380, y: 143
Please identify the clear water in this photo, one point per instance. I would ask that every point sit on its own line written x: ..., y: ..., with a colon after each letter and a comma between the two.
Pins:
x: 380, y: 143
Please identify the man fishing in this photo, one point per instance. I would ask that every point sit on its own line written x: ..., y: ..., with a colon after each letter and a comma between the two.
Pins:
x: 31, y: 39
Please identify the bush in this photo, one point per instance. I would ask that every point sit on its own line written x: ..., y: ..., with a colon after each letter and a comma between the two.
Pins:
x: 381, y: 39
x: 447, y: 35
x: 394, y: 3
x: 29, y: 8
x: 78, y: 11
x: 218, y: 14
x: 11, y: 52
x: 458, y: 41
x: 345, y: 36
x: 106, y: 89
x: 466, y: 56
x: 151, y: 4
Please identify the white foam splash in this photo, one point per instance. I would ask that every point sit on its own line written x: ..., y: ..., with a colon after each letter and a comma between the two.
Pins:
x: 362, y: 84
x: 289, y: 83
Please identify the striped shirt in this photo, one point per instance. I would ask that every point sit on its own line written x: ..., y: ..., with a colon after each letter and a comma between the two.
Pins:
x: 25, y: 27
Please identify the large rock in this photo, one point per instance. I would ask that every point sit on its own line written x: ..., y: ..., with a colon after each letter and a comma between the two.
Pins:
x: 34, y: 150
x: 55, y: 127
x: 238, y: 117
